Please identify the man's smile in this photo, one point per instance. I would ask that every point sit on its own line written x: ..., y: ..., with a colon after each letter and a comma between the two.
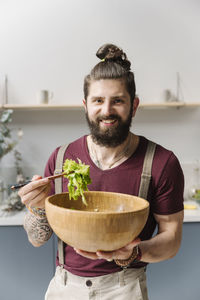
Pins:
x: 108, y: 122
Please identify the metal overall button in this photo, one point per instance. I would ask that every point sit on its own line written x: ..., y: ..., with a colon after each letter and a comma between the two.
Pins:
x: 88, y: 283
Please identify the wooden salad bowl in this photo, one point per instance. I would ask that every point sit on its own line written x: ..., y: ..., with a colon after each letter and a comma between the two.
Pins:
x: 108, y: 222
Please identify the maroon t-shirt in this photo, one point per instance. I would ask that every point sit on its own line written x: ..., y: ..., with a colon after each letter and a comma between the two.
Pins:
x: 165, y: 194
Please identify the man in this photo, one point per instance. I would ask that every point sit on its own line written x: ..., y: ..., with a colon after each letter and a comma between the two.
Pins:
x: 116, y: 157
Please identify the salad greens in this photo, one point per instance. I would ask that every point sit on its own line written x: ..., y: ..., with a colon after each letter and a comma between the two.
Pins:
x: 78, y: 175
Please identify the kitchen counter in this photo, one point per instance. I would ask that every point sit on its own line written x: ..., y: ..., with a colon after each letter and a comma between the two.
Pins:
x: 16, y: 218
x: 12, y: 218
x: 193, y: 213
x: 181, y: 272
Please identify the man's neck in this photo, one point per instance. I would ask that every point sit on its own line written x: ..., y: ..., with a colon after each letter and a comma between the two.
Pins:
x: 109, y: 157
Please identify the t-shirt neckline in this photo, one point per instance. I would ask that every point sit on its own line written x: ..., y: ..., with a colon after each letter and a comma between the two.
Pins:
x: 133, y: 156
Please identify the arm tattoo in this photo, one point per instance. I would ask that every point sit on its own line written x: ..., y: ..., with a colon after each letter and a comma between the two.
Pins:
x: 37, y: 228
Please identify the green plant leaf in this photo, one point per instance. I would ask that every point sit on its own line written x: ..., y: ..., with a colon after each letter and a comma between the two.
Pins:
x: 6, y: 116
x: 78, y: 175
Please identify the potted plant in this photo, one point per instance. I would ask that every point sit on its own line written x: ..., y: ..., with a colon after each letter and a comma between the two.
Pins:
x: 7, y: 144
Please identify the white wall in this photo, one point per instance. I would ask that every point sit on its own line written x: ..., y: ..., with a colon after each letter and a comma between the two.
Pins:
x: 51, y: 44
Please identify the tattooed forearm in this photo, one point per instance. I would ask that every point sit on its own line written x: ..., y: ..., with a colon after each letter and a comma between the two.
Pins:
x: 37, y: 228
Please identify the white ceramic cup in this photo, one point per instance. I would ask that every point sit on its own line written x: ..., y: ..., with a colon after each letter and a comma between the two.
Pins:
x: 44, y: 96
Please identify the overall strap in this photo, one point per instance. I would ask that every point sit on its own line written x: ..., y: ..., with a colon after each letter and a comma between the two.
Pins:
x: 58, y: 189
x: 146, y: 171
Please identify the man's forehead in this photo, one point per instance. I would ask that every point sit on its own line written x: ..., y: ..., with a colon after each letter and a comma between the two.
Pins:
x: 116, y: 81
x: 113, y: 87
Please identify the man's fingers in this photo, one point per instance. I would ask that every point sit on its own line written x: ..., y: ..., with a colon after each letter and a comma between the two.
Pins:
x: 106, y: 255
x: 91, y: 255
x: 35, y: 184
x: 36, y: 195
x: 38, y: 199
x: 131, y: 245
x: 122, y: 253
x: 36, y: 177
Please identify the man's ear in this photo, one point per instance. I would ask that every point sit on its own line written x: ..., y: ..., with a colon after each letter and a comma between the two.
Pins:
x: 84, y: 104
x: 135, y: 105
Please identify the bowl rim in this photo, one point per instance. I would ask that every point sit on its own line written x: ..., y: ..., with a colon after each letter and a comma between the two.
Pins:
x: 146, y: 205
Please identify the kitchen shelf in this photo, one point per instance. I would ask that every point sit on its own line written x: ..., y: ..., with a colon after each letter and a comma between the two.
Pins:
x: 22, y: 107
x: 148, y: 105
x: 169, y: 104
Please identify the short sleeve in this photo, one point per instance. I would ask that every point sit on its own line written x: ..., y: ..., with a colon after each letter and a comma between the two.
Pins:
x: 168, y: 194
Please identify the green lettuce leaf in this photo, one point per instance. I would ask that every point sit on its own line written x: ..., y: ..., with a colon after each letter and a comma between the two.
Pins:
x: 78, y: 175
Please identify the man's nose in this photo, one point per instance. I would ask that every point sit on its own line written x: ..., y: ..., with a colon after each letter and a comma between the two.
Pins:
x: 107, y: 109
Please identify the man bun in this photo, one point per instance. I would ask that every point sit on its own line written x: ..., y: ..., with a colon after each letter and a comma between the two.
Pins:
x: 113, y: 65
x: 110, y: 52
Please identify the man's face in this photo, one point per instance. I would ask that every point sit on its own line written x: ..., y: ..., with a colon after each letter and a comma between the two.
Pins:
x: 108, y: 111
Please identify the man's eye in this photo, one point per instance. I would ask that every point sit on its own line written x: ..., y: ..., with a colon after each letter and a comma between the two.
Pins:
x: 118, y: 101
x: 98, y: 100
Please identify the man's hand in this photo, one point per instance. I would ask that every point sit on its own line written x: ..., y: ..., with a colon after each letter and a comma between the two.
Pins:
x: 122, y: 253
x: 35, y: 193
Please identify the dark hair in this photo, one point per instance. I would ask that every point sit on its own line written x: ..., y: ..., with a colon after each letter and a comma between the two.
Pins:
x: 113, y: 65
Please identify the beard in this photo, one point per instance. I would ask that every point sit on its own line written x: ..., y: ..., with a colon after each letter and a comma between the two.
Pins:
x: 110, y: 137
